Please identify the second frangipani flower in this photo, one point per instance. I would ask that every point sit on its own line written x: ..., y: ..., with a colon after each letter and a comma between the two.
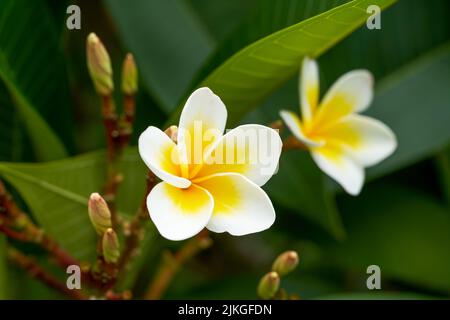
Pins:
x: 210, y: 179
x: 341, y: 141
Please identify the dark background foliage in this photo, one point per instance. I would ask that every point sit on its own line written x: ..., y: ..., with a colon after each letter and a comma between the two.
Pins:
x: 401, y: 220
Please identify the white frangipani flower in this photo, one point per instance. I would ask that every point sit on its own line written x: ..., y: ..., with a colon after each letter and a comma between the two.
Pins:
x: 341, y: 141
x: 210, y: 179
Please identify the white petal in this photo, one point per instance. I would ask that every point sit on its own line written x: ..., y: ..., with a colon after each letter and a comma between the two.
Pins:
x: 159, y: 153
x: 309, y: 88
x: 295, y: 126
x: 202, y: 123
x: 341, y: 167
x: 352, y: 92
x: 251, y: 150
x: 367, y: 140
x: 179, y: 214
x: 240, y: 206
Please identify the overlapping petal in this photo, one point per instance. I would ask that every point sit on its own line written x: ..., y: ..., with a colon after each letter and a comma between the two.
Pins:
x: 366, y: 140
x: 295, y: 126
x: 335, y: 162
x: 352, y: 92
x: 160, y: 154
x: 240, y: 206
x: 309, y: 88
x: 177, y: 213
x: 251, y: 150
x: 202, y: 123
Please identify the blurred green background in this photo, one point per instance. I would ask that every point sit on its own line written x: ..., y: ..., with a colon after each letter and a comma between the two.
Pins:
x: 51, y: 138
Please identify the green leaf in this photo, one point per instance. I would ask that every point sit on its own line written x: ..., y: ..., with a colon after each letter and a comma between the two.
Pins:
x: 32, y: 75
x: 403, y: 231
x: 47, y: 145
x: 253, y: 73
x: 3, y: 268
x: 303, y: 190
x: 57, y: 194
x: 168, y: 41
x: 443, y: 167
x: 10, y: 130
x: 266, y: 17
x: 215, y: 15
x: 403, y: 103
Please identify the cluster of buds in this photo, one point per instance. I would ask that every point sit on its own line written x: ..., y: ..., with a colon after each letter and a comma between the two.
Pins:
x: 119, y: 128
x: 100, y: 69
x: 100, y: 217
x: 269, y: 285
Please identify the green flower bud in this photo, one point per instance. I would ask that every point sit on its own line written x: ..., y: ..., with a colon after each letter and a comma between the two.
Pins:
x: 129, y: 75
x: 99, y: 65
x: 285, y: 263
x: 99, y: 213
x: 269, y: 285
x: 110, y: 246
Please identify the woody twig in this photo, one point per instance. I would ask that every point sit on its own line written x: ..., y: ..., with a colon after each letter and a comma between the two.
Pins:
x: 171, y: 263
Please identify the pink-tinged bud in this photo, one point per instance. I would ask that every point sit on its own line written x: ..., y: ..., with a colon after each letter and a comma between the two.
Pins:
x: 110, y: 246
x: 285, y: 263
x: 99, y: 213
x: 129, y: 75
x: 269, y: 285
x: 99, y: 65
x: 172, y: 132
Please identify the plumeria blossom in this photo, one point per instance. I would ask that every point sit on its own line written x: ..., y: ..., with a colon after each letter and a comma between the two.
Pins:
x: 210, y: 179
x: 342, y: 142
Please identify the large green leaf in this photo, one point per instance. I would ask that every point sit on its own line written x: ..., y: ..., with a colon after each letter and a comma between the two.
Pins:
x: 57, y: 194
x: 443, y: 167
x: 403, y: 102
x: 32, y: 77
x: 168, y: 41
x: 303, y: 190
x: 266, y: 17
x: 403, y: 231
x: 10, y: 133
x: 215, y: 15
x: 3, y: 268
x: 253, y: 73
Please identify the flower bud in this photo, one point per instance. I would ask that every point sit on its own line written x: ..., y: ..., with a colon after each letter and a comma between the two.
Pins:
x: 110, y: 246
x: 99, y: 65
x: 99, y: 213
x: 172, y: 132
x: 129, y: 75
x: 285, y: 263
x: 269, y: 285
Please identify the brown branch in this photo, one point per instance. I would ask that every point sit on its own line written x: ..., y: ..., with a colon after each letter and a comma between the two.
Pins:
x: 118, y: 136
x: 36, y: 271
x: 17, y: 225
x: 110, y: 123
x: 125, y: 295
x: 171, y: 263
x: 113, y: 177
x: 277, y: 125
x: 126, y: 123
x: 135, y: 228
x: 292, y: 143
